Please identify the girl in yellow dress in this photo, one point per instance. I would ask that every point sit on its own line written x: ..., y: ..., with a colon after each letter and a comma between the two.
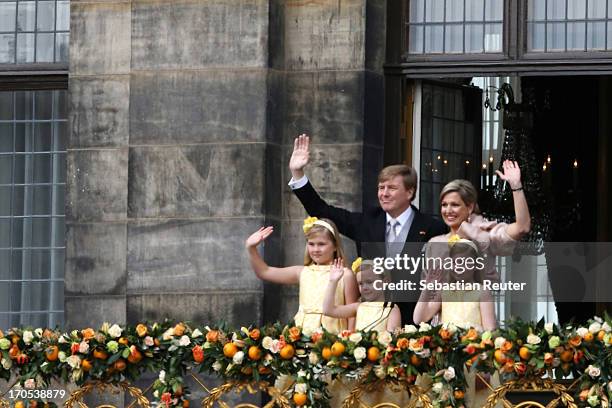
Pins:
x: 372, y: 313
x: 323, y: 245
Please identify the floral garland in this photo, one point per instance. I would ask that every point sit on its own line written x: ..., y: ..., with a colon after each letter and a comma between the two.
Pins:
x: 301, y: 365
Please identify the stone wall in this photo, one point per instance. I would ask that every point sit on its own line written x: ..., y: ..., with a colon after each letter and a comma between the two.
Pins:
x: 183, y: 116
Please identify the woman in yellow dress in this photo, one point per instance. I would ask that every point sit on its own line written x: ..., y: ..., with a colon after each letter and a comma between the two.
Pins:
x: 323, y: 245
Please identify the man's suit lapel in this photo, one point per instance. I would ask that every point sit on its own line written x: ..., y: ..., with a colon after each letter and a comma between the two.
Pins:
x: 380, y: 226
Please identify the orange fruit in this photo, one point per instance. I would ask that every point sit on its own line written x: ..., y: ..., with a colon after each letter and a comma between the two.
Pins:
x: 459, y: 394
x: 14, y: 351
x: 229, y: 349
x: 19, y: 404
x: 373, y: 354
x: 567, y: 356
x: 588, y: 337
x: 120, y: 365
x: 185, y: 403
x: 123, y: 340
x: 600, y: 335
x: 524, y: 353
x: 299, y: 399
x: 499, y: 356
x: 86, y: 365
x: 254, y: 353
x: 326, y: 353
x: 415, y: 360
x: 337, y: 349
x: 287, y: 352
x: 51, y: 353
x: 100, y: 354
x: 135, y: 356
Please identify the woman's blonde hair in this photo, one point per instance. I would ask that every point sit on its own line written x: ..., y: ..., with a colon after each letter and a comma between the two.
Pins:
x: 466, y: 191
x: 333, y: 237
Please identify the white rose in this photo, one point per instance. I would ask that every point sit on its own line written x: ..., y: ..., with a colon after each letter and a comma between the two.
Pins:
x: 385, y: 338
x: 115, y: 331
x: 301, y: 388
x: 533, y: 339
x: 379, y: 371
x: 423, y: 353
x: 196, y: 333
x: 598, y: 319
x: 606, y: 327
x: 449, y: 373
x: 312, y: 358
x: 74, y: 361
x: 301, y: 373
x: 423, y: 327
x: 29, y: 384
x: 61, y: 356
x: 7, y: 363
x: 27, y: 337
x: 77, y: 375
x: 156, y: 394
x: 549, y: 327
x: 266, y: 342
x: 499, y: 341
x: 595, y: 327
x: 162, y: 376
x: 410, y: 328
x: 217, y: 366
x: 38, y: 332
x: 437, y: 387
x: 238, y: 357
x: 275, y: 347
x: 184, y: 341
x: 452, y: 329
x: 62, y: 339
x: 83, y: 347
x: 307, y: 331
x: 582, y: 331
x: 148, y: 341
x: 355, y: 337
x: 593, y: 371
x: 360, y: 354
x: 168, y: 334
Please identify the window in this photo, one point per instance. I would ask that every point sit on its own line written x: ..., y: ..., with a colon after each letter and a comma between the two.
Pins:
x: 33, y: 130
x: 569, y: 25
x: 455, y: 26
x: 34, y: 31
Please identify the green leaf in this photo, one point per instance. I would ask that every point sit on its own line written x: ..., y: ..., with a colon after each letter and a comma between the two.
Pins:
x: 125, y: 353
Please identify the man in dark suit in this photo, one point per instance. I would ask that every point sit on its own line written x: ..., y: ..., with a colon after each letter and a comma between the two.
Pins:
x: 395, y: 221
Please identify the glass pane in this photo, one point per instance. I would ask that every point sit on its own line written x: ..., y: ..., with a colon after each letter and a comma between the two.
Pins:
x: 43, y: 102
x: 60, y: 105
x: 596, y: 36
x: 537, y: 10
x: 46, y: 16
x: 6, y: 137
x: 5, y: 200
x: 474, y: 38
x: 59, y: 239
x: 454, y: 38
x: 434, y: 36
x: 60, y: 162
x: 576, y: 9
x: 22, y: 231
x: 454, y: 10
x: 474, y: 10
x: 555, y: 37
x: 63, y: 16
x: 44, y: 47
x: 434, y: 10
x: 22, y: 172
x: 41, y: 232
x: 41, y: 167
x: 6, y: 166
x: 26, y: 16
x: 59, y: 197
x: 597, y: 9
x: 59, y: 136
x: 7, y: 16
x: 576, y: 36
x: 7, y: 48
x: 609, y: 35
x: 41, y: 263
x: 556, y: 9
x: 41, y: 200
x: 25, y: 48
x: 61, y: 47
x: 23, y: 137
x: 23, y: 104
x: 493, y: 37
x: 6, y: 105
x: 22, y: 198
x: 5, y: 233
x: 494, y: 10
x: 417, y: 9
x: 416, y: 39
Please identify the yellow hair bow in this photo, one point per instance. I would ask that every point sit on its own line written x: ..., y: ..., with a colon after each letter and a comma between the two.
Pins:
x: 356, y: 265
x: 308, y: 223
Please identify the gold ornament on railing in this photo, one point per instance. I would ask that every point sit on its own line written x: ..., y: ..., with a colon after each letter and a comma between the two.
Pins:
x: 252, y: 387
x: 532, y: 384
x: 77, y: 395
